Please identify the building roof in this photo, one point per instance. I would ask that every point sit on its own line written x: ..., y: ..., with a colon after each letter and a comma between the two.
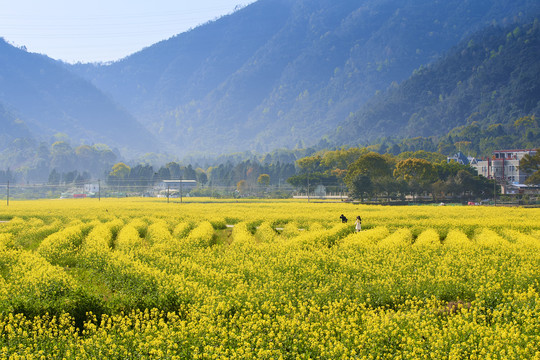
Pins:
x: 180, y: 181
x: 515, y: 150
x: 462, y: 159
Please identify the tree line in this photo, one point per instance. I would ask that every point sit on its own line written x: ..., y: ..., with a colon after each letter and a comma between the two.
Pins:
x: 226, y: 175
x: 367, y: 174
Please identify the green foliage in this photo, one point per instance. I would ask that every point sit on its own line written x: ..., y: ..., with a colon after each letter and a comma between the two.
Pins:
x: 417, y: 170
x: 47, y: 98
x: 389, y: 176
x: 264, y: 179
x: 303, y: 67
x: 483, y: 92
x: 531, y: 165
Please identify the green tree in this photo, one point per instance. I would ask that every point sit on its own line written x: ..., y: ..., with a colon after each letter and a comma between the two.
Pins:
x: 263, y: 179
x: 361, y: 187
x: 189, y: 173
x: 372, y: 165
x: 531, y: 165
x: 119, y: 172
x: 309, y: 164
x: 174, y: 170
x: 341, y: 159
x: 62, y: 156
x: 418, y: 173
x: 163, y: 174
x: 241, y: 186
x: 202, y: 178
x: 54, y: 177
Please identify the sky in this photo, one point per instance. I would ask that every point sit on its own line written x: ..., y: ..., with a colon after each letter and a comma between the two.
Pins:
x: 102, y: 30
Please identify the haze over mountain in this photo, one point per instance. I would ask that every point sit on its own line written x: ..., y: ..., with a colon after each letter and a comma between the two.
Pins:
x: 40, y: 98
x: 286, y: 72
x: 489, y: 79
x: 280, y: 73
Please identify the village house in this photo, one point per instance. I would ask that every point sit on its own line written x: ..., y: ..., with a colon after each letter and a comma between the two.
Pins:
x: 504, y: 166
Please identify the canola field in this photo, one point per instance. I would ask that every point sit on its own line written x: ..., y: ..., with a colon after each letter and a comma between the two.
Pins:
x: 147, y: 279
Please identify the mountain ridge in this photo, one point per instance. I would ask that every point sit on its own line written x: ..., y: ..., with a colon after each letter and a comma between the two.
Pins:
x: 487, y: 79
x: 310, y: 64
x: 40, y: 92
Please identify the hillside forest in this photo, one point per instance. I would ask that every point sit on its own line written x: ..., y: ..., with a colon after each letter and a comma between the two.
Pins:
x: 478, y: 96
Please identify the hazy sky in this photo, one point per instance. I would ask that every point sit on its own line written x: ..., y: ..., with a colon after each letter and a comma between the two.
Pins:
x: 102, y: 30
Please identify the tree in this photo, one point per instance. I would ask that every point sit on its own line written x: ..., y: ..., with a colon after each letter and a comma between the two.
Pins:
x: 466, y: 182
x: 189, y: 173
x: 69, y: 177
x: 534, y: 179
x: 341, y: 159
x: 62, y: 156
x: 446, y: 170
x: 87, y: 159
x: 421, y: 154
x: 372, y: 165
x: 310, y: 163
x: 415, y: 169
x: 241, y: 186
x: 386, y: 185
x: 119, y: 172
x: 311, y: 180
x: 531, y: 165
x: 54, y: 177
x: 361, y: 186
x: 418, y: 173
x: 263, y: 179
x: 202, y: 178
x: 141, y: 175
x: 174, y: 169
x: 163, y: 174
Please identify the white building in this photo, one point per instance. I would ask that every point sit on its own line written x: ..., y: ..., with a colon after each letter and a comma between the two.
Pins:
x: 173, y: 186
x: 503, y: 166
x: 91, y: 188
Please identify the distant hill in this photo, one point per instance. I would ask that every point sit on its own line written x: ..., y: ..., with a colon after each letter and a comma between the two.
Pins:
x: 286, y: 72
x: 44, y: 98
x: 489, y: 78
x: 12, y: 128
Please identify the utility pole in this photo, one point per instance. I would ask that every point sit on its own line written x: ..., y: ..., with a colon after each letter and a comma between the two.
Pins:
x: 308, y: 187
x: 181, y: 191
x: 494, y: 190
x: 168, y: 193
x: 99, y: 189
x: 8, y: 193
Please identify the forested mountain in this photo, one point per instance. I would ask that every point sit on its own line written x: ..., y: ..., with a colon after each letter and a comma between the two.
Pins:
x: 11, y: 127
x: 286, y: 72
x: 40, y: 98
x: 485, y: 91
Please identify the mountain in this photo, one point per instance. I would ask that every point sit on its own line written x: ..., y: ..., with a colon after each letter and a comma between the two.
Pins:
x: 282, y: 73
x: 12, y: 128
x: 44, y: 98
x: 490, y: 78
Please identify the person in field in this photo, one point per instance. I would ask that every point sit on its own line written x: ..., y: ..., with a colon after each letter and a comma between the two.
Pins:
x: 358, y: 223
x: 343, y: 218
